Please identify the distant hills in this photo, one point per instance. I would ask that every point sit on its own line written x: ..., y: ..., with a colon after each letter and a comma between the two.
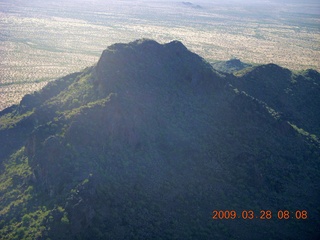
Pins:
x: 230, y: 66
x: 190, y: 4
x: 148, y: 142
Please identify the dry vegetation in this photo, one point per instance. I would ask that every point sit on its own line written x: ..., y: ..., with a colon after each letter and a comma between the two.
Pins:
x: 38, y: 44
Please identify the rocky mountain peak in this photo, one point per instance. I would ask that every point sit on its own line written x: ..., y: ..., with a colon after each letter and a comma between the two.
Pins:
x: 146, y: 61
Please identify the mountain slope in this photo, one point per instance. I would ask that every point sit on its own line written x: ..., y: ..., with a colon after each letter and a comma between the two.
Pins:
x: 293, y: 95
x: 145, y: 145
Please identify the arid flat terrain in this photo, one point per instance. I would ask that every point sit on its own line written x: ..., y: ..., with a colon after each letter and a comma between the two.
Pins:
x: 41, y: 41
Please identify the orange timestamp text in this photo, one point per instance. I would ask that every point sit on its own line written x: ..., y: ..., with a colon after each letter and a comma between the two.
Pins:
x: 262, y: 214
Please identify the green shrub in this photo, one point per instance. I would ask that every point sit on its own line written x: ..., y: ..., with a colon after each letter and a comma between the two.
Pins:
x: 64, y: 219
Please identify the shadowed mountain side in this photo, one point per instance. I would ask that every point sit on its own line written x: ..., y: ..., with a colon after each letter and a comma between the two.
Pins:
x: 295, y: 96
x: 145, y: 145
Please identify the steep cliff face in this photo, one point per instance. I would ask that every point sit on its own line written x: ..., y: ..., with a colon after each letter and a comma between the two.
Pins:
x: 145, y: 145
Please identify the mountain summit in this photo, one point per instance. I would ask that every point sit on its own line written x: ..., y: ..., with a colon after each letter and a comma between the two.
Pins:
x: 152, y: 142
x: 148, y: 62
